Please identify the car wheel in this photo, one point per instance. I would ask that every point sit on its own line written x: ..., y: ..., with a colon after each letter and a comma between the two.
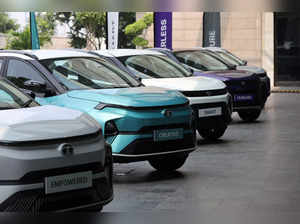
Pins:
x: 250, y: 115
x: 213, y: 133
x: 171, y: 163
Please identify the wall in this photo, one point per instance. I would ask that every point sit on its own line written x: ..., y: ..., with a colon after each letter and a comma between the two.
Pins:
x: 242, y: 35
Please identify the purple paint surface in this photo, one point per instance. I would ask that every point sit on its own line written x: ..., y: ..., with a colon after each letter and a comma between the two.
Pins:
x: 163, y: 30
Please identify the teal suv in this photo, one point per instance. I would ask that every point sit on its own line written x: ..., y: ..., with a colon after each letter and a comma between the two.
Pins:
x: 140, y: 123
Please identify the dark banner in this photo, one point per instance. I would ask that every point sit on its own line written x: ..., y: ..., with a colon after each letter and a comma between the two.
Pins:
x: 211, y: 29
x: 163, y: 30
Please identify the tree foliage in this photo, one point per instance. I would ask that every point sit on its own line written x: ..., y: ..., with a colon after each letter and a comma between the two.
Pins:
x: 86, y: 28
x: 19, y: 40
x: 7, y: 24
x: 135, y: 30
x: 125, y: 18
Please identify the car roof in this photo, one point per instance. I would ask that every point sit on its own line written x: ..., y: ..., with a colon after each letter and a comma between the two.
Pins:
x: 215, y: 49
x: 126, y: 52
x: 189, y: 49
x: 17, y: 54
x: 50, y: 54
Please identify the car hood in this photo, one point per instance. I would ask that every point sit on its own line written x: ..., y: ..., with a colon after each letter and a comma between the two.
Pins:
x: 132, y: 97
x: 44, y: 123
x: 186, y: 84
x: 253, y: 69
x: 226, y: 75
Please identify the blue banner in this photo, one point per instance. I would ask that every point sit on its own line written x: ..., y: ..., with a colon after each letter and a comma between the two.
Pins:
x: 163, y: 30
x: 34, y: 35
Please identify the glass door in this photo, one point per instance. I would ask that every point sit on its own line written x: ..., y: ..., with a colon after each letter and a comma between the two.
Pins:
x: 287, y: 49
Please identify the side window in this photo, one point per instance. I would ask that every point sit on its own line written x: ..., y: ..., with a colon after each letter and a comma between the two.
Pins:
x: 27, y: 77
x: 19, y: 72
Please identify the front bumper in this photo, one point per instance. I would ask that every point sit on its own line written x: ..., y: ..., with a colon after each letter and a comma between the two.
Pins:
x: 31, y: 197
x: 247, y: 94
x: 223, y: 101
x: 144, y: 148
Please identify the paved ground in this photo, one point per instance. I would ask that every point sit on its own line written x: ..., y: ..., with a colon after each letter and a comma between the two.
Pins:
x: 254, y: 168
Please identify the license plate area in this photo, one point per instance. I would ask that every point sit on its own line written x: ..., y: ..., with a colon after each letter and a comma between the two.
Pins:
x: 243, y: 97
x: 210, y: 112
x: 68, y: 182
x: 168, y: 134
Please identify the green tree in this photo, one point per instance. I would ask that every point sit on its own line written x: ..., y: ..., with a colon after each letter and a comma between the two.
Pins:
x: 125, y: 18
x: 90, y: 27
x: 86, y: 28
x: 19, y: 40
x: 136, y: 29
x: 7, y: 24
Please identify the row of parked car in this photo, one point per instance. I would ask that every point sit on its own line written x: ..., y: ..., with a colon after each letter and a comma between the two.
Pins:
x: 67, y: 115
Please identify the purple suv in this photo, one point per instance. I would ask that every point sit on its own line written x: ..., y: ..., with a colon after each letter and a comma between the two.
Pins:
x: 249, y: 93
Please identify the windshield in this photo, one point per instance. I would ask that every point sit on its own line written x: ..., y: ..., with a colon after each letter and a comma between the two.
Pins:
x: 154, y: 66
x: 88, y: 73
x: 229, y: 58
x: 239, y: 61
x: 12, y: 98
x: 200, y: 60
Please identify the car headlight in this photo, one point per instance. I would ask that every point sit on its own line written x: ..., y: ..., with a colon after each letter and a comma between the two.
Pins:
x: 110, y: 129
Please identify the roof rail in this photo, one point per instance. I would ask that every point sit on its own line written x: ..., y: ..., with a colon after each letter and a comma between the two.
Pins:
x: 20, y: 52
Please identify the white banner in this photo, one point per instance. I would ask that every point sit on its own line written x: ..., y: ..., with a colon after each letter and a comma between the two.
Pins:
x: 112, y: 29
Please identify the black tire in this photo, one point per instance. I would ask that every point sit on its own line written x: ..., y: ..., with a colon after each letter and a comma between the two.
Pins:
x: 213, y: 133
x: 170, y: 163
x: 249, y: 115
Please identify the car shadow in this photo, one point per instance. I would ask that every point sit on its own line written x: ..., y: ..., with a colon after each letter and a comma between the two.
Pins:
x: 140, y: 176
x: 241, y: 122
x: 212, y: 142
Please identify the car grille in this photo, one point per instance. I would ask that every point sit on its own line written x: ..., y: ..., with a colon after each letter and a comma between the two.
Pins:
x: 242, y: 86
x: 150, y: 129
x: 205, y: 93
x: 39, y: 176
x: 37, y: 201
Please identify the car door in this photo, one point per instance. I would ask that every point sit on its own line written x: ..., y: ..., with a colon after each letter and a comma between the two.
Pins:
x: 24, y: 75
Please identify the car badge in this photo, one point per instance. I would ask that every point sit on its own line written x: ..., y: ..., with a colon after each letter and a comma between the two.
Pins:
x: 66, y: 149
x: 208, y: 93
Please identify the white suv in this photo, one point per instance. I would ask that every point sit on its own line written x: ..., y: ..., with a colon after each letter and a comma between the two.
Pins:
x: 209, y: 98
x: 51, y: 158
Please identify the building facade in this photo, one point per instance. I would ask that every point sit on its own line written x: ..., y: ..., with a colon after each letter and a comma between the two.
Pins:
x: 266, y: 39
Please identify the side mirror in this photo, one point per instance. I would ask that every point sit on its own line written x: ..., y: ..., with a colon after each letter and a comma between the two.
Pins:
x: 30, y: 93
x: 245, y: 62
x: 187, y: 68
x: 35, y: 86
x: 232, y: 67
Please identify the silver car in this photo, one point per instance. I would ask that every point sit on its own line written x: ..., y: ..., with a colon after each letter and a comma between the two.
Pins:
x: 51, y: 158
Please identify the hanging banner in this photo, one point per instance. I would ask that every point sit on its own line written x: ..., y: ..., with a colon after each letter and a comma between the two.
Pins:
x: 163, y: 30
x: 34, y: 35
x: 211, y: 29
x: 112, y: 20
